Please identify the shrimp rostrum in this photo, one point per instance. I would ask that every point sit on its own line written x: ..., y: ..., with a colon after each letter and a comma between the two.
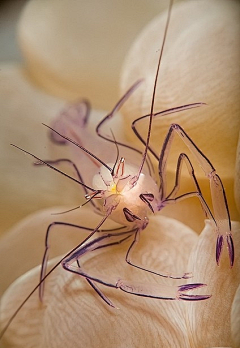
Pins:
x: 128, y: 194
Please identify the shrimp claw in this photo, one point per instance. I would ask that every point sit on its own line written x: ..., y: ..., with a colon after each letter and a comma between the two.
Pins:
x: 230, y: 246
x: 161, y: 291
x: 188, y: 297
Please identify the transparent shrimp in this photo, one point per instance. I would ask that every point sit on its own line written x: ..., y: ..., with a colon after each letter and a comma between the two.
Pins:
x: 128, y: 194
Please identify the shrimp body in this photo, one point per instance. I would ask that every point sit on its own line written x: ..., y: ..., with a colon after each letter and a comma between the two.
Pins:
x: 129, y: 197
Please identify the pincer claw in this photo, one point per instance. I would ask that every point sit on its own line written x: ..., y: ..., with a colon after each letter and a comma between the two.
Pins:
x: 230, y: 246
x: 186, y: 287
x: 219, y: 246
x: 230, y: 249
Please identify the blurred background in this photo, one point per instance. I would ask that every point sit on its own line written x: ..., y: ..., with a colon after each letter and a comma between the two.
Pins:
x: 9, y: 14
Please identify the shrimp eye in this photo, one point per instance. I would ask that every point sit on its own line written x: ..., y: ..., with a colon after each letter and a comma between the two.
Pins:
x: 147, y: 198
x: 129, y: 215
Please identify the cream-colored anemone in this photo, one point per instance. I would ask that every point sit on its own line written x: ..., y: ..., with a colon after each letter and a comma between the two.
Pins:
x: 81, y: 36
x: 72, y: 314
x: 237, y: 177
x: 200, y: 64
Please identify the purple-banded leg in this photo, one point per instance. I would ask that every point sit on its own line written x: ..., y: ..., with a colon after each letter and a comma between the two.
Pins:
x: 157, y: 115
x: 186, y: 275
x: 220, y: 214
x: 183, y: 158
x: 160, y: 291
x: 111, y: 114
x: 46, y: 251
x: 47, y: 246
x: 105, y: 240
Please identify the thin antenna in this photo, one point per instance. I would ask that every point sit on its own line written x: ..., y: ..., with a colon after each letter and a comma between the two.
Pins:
x: 80, y: 147
x: 154, y: 91
x: 54, y: 168
x: 113, y: 170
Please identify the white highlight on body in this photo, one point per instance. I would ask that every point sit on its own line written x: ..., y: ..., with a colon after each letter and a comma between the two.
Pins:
x: 121, y: 191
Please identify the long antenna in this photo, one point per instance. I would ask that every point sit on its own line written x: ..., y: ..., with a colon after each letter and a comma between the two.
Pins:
x: 80, y: 147
x: 54, y: 168
x: 154, y: 90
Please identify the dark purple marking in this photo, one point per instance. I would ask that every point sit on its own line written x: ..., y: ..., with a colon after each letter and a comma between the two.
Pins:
x: 194, y: 297
x: 219, y: 246
x: 147, y: 198
x: 129, y: 215
x: 230, y: 249
x: 187, y: 287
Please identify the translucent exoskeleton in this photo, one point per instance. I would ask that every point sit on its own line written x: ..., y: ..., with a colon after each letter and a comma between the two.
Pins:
x: 127, y: 194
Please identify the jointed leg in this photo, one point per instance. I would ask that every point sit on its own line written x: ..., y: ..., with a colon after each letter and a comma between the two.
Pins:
x: 47, y: 247
x: 160, y: 114
x: 164, y: 275
x: 219, y: 201
x: 140, y: 289
x: 111, y: 115
x: 183, y: 158
x: 106, y: 240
